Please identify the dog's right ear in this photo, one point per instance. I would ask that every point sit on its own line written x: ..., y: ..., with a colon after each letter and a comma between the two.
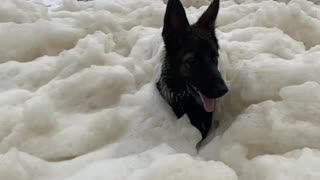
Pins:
x: 175, y: 22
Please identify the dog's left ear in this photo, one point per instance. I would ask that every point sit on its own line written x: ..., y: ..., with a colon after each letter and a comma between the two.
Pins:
x: 208, y: 18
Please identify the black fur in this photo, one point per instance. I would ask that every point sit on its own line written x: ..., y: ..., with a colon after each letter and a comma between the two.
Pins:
x: 190, y: 64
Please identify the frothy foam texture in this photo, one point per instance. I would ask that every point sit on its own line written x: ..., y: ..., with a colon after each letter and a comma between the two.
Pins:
x: 78, y: 100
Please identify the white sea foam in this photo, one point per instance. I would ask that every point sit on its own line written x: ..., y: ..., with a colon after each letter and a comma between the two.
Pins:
x: 78, y: 100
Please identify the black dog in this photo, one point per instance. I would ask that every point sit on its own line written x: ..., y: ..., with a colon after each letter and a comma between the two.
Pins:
x: 190, y: 81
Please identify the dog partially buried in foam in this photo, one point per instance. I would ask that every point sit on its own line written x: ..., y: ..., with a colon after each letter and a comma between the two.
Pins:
x: 190, y: 80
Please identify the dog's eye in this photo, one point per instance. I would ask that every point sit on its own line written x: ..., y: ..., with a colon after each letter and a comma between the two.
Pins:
x: 189, y: 58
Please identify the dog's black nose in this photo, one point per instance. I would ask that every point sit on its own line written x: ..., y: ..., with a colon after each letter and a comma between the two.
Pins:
x: 221, y: 90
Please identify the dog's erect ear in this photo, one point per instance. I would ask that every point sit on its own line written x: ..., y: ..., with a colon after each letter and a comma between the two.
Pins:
x: 175, y: 20
x: 208, y: 18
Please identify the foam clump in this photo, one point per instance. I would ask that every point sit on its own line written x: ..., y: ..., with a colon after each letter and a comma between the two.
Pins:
x: 300, y: 163
x: 22, y: 11
x: 184, y: 167
x: 78, y: 99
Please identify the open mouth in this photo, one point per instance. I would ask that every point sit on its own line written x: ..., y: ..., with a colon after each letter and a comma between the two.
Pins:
x: 209, y: 104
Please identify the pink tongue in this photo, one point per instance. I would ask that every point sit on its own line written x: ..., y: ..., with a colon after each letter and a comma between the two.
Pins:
x: 208, y: 103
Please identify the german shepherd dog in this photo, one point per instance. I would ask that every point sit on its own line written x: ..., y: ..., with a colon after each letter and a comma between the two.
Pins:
x: 190, y: 80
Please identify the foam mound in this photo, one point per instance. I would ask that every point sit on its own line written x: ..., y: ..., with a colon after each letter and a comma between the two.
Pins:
x: 78, y: 99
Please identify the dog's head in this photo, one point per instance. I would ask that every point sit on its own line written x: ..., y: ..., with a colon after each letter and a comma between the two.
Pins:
x: 193, y: 51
